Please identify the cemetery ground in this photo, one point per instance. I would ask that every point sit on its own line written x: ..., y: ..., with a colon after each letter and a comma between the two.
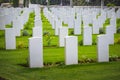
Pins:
x: 14, y: 63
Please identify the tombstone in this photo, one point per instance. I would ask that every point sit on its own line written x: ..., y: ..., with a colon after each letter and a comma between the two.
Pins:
x: 35, y: 52
x: 95, y: 27
x: 71, y: 50
x: 37, y: 31
x: 70, y: 22
x: 38, y: 23
x: 100, y: 22
x: 58, y: 25
x: 118, y: 13
x: 17, y: 27
x: 77, y: 27
x: 87, y: 36
x: 2, y: 23
x: 110, y: 34
x: 102, y: 48
x: 113, y: 23
x: 53, y: 22
x: 63, y: 32
x: 10, y: 38
x: 86, y: 20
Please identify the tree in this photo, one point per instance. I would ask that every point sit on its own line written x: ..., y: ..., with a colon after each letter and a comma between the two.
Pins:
x: 26, y: 2
x: 15, y: 3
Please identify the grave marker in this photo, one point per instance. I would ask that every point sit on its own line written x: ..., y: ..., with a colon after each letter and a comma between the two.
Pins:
x: 71, y: 50
x: 63, y: 32
x: 87, y: 36
x: 35, y: 52
x: 103, y: 48
x: 10, y: 38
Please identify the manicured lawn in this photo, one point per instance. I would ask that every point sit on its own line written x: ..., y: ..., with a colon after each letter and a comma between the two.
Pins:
x: 14, y: 63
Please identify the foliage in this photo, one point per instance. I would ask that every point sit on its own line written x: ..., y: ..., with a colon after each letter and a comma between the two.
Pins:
x: 110, y: 5
x: 81, y: 42
x: 98, y: 15
x: 94, y: 42
x: 107, y: 22
x: 118, y: 41
x: 48, y: 38
x: 114, y: 58
x: 72, y: 32
x: 101, y: 31
x: 21, y: 12
x: 118, y: 22
x: 2, y: 33
x: 30, y: 23
x: 15, y: 3
x: 8, y: 26
x: 90, y: 25
x: 20, y: 44
x: 77, y: 2
x: 63, y: 24
x: 25, y: 33
x: 118, y: 30
x: 25, y: 3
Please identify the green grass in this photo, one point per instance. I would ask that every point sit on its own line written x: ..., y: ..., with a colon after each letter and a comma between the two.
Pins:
x: 13, y: 63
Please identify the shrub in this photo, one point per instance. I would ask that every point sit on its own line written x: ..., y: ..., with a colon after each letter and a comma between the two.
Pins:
x: 30, y: 23
x: 25, y: 33
x: 107, y: 22
x: 110, y: 5
x: 118, y: 22
x: 47, y: 38
x: 72, y: 32
x: 81, y: 42
x: 46, y: 33
x: 94, y: 42
x: 20, y: 44
x: 118, y: 41
x: 113, y: 58
x: 15, y: 3
x: 9, y: 25
x: 118, y: 30
x: 90, y: 25
x: 101, y: 31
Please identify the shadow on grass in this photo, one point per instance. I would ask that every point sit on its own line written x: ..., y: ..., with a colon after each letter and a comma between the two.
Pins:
x: 3, y: 78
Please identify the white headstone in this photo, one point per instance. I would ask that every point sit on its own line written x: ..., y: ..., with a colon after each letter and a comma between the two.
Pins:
x: 95, y: 26
x: 63, y: 32
x: 110, y: 34
x: 71, y: 22
x: 38, y: 23
x: 77, y: 27
x: 118, y: 13
x: 71, y: 50
x: 37, y: 31
x: 35, y: 52
x: 2, y: 23
x: 58, y: 25
x: 17, y: 27
x: 113, y: 23
x: 10, y: 38
x: 87, y: 36
x: 102, y: 48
